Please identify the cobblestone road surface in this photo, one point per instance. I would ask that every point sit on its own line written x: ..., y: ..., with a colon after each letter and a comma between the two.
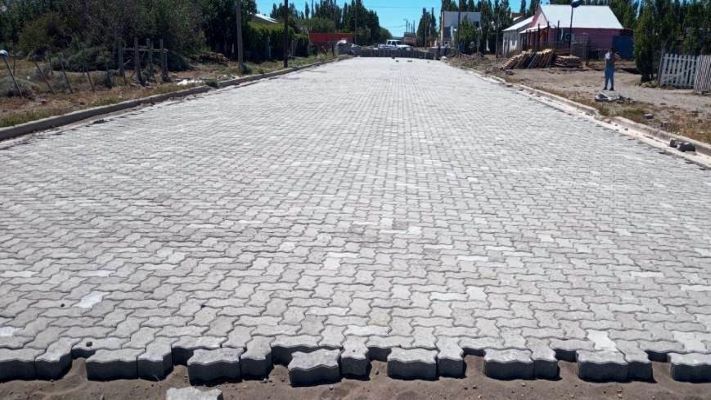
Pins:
x: 367, y: 205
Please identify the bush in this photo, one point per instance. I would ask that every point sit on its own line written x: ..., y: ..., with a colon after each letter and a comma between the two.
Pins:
x: 93, y: 58
x: 46, y: 33
x: 266, y: 42
x: 8, y: 89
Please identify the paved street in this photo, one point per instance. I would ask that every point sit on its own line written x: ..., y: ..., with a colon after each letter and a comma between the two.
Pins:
x: 366, y: 205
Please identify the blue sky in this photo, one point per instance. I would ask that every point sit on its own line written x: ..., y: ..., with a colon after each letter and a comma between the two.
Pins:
x: 392, y: 13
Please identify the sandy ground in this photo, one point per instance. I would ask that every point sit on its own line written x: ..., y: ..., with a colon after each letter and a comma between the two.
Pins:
x: 74, y: 386
x: 674, y: 110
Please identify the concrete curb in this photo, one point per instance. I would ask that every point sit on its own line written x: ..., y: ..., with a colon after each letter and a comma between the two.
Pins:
x: 80, y: 115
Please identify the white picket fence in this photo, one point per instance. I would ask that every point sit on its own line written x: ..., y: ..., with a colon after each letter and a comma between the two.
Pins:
x: 686, y: 71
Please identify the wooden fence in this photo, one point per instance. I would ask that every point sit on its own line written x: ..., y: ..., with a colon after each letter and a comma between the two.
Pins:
x: 702, y: 83
x: 686, y: 71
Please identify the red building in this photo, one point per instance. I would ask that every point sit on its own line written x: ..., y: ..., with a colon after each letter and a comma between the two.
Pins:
x: 326, y: 40
x: 594, y: 28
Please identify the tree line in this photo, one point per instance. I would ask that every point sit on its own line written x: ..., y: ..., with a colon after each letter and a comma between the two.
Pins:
x: 326, y: 16
x: 95, y: 28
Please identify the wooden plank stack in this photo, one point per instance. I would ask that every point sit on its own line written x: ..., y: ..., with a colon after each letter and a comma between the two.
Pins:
x: 530, y: 59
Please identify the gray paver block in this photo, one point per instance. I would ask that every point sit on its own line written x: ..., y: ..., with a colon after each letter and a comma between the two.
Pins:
x: 157, y: 361
x: 107, y: 365
x: 450, y: 359
x: 412, y: 364
x: 320, y: 366
x: 18, y: 364
x: 691, y: 367
x: 508, y: 364
x: 354, y: 359
x: 56, y: 361
x: 283, y: 347
x: 184, y: 347
x: 213, y: 365
x: 567, y: 350
x: 256, y: 362
x: 545, y: 364
x: 191, y: 393
x: 602, y: 366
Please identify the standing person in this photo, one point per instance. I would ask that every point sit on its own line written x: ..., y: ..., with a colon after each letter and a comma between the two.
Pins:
x: 610, y: 58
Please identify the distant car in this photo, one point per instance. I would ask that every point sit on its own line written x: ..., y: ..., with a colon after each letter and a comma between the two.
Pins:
x: 394, y: 44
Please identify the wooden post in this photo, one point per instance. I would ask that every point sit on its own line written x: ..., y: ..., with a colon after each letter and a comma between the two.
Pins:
x: 286, y: 33
x: 122, y: 69
x: 240, y: 45
x: 149, y: 44
x: 64, y: 72
x: 44, y: 78
x: 163, y: 62
x: 88, y: 78
x: 12, y: 75
x: 137, y: 62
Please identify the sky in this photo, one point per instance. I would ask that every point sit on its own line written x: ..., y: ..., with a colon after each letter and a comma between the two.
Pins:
x: 392, y: 13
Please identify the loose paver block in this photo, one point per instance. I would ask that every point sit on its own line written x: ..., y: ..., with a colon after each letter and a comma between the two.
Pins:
x: 213, y: 365
x: 412, y: 364
x: 256, y: 362
x: 320, y: 366
x: 508, y: 364
x: 691, y: 367
x: 354, y: 359
x: 191, y: 393
x: 107, y: 365
x: 602, y: 366
x: 18, y: 364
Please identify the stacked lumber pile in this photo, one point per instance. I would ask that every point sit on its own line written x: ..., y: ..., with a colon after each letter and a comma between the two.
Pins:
x: 530, y: 59
x: 567, y: 62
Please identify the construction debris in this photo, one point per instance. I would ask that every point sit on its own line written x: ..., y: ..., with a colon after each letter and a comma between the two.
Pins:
x: 567, y: 62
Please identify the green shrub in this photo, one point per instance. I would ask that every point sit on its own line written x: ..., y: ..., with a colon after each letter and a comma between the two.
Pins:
x: 8, y: 89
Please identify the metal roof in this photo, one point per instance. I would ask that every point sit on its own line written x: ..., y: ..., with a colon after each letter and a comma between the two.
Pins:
x: 519, y: 25
x: 591, y: 17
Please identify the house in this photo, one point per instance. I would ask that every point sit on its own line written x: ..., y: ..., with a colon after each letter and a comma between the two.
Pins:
x: 450, y: 23
x: 264, y: 19
x: 594, y: 28
x: 512, y: 36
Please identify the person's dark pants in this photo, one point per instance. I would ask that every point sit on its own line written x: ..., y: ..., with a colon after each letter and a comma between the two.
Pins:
x: 610, y: 78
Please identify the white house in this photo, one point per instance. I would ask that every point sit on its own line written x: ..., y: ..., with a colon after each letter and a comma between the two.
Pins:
x: 449, y: 23
x: 512, y: 34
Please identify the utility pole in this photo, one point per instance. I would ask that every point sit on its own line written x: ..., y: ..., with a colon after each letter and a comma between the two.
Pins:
x: 240, y: 48
x: 459, y: 25
x: 355, y: 31
x: 286, y: 33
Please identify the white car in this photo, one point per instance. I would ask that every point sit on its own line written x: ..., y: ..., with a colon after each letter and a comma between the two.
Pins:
x: 394, y: 44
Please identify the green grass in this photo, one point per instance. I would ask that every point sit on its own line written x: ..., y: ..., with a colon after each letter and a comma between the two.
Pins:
x: 27, y: 116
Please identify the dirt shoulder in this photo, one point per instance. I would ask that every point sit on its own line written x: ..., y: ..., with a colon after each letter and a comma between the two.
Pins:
x: 673, y: 110
x: 74, y: 386
x: 39, y: 102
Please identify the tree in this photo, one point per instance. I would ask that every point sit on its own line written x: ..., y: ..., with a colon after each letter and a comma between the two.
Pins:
x: 522, y: 10
x: 426, y: 28
x: 646, y: 42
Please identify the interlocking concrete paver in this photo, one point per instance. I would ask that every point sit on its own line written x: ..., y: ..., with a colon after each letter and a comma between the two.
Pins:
x: 390, y: 205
